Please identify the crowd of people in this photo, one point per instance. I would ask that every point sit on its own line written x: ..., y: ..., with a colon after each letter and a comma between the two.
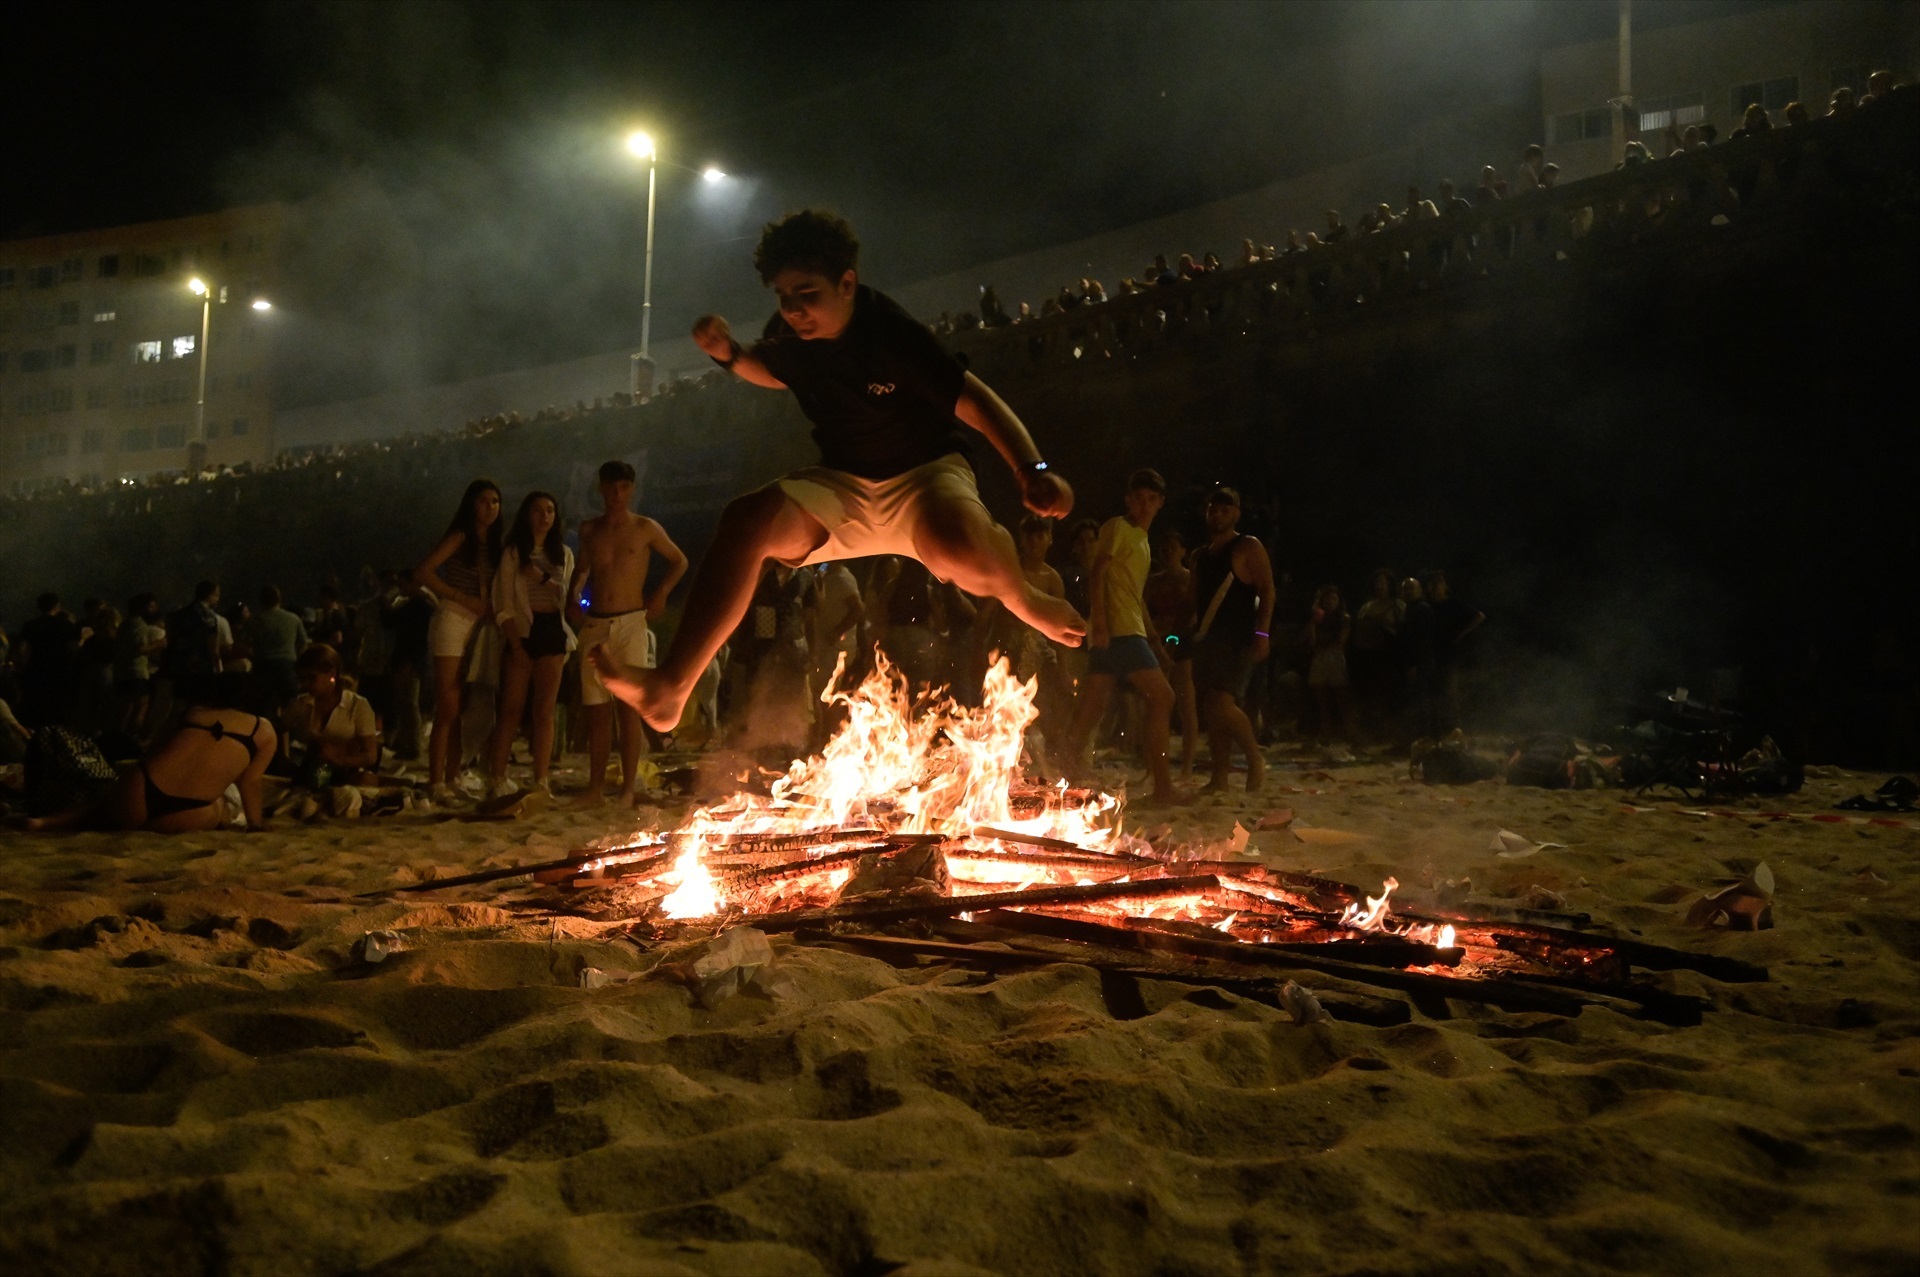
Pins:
x: 215, y: 708
x: 1532, y: 174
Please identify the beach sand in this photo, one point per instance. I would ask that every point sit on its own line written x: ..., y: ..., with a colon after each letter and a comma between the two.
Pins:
x: 199, y: 1076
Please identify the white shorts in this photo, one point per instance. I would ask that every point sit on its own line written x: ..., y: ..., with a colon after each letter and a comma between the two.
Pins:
x: 628, y: 642
x: 876, y: 516
x: 448, y: 633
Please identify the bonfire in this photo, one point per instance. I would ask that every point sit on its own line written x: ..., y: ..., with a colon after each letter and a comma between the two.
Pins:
x: 921, y: 818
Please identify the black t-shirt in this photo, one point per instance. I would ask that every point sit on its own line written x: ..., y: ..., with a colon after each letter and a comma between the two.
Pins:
x: 1451, y: 617
x: 51, y: 640
x: 880, y: 395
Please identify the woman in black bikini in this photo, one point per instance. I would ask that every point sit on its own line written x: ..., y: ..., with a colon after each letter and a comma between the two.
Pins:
x: 178, y: 787
x: 529, y: 596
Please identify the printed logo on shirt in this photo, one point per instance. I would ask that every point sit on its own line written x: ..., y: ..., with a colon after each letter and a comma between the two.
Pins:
x: 879, y: 387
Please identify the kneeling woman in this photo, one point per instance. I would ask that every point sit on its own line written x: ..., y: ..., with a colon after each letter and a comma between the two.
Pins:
x: 529, y: 596
x: 178, y: 787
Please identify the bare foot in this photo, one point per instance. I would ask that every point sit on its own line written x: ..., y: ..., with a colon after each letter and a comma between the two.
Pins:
x: 658, y: 705
x: 1053, y: 617
x: 589, y: 798
x: 1256, y: 773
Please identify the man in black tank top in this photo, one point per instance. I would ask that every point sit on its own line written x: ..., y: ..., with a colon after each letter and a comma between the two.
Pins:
x: 1233, y: 599
x: 888, y: 404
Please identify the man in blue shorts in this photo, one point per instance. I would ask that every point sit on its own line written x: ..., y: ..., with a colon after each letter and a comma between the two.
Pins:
x: 1117, y: 631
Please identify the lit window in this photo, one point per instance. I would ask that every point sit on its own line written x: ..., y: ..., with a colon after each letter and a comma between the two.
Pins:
x: 183, y: 346
x: 1678, y: 110
x: 104, y: 316
x: 147, y: 352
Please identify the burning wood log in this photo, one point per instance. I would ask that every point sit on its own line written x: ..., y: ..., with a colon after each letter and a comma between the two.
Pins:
x: 1059, y: 845
x: 1496, y: 992
x: 613, y: 855
x: 748, y: 879
x: 895, y: 911
x: 764, y: 843
x: 1101, y: 864
x: 1638, y: 953
x: 1370, y: 948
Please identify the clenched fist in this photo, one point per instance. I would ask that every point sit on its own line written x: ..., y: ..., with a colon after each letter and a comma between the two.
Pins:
x: 712, y: 335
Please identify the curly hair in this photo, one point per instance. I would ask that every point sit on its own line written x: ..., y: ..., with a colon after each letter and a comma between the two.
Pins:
x: 812, y: 239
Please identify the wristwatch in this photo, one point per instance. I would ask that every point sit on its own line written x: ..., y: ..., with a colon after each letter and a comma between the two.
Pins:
x: 1036, y: 467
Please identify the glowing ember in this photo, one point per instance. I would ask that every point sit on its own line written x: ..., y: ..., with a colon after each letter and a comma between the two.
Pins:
x: 1446, y: 940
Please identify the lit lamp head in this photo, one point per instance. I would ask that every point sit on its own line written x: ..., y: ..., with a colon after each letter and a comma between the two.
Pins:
x: 197, y: 286
x: 712, y: 174
x: 261, y: 303
x: 640, y: 144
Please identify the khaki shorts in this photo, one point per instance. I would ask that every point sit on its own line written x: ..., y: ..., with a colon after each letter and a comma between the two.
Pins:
x: 876, y: 516
x: 628, y: 642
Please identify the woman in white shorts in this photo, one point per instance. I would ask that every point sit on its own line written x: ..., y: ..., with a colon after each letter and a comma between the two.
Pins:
x: 459, y: 574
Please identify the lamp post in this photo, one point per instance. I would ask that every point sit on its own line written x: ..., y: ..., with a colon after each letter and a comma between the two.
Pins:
x: 641, y: 144
x: 197, y: 446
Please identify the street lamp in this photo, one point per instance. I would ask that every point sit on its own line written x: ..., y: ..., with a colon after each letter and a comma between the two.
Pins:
x: 197, y: 446
x: 641, y: 144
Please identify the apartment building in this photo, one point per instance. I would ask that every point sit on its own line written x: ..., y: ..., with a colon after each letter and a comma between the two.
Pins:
x: 1710, y: 72
x: 105, y: 338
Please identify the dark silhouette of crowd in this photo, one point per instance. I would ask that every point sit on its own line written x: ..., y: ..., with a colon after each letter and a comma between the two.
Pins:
x: 1531, y: 175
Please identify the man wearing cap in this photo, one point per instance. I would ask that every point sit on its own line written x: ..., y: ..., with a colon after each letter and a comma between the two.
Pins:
x: 1233, y: 597
x: 1117, y: 631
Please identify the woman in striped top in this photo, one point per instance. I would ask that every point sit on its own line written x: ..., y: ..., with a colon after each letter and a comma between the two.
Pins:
x: 459, y: 574
x: 529, y: 595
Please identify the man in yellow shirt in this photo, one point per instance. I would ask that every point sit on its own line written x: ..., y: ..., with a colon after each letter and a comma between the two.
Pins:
x: 1117, y: 631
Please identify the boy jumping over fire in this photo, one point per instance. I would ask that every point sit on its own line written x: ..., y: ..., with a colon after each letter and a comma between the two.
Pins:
x: 887, y: 402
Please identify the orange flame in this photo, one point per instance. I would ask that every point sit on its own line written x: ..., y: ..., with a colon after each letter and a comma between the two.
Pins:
x: 947, y: 770
x: 1374, y: 916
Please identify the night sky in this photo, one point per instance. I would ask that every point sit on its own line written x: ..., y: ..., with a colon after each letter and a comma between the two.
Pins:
x: 483, y: 137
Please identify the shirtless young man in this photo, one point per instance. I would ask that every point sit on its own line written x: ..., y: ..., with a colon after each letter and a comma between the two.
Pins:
x: 887, y: 402
x: 615, y: 550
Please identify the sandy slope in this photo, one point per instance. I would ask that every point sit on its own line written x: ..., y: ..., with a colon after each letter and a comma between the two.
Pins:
x: 207, y: 1082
